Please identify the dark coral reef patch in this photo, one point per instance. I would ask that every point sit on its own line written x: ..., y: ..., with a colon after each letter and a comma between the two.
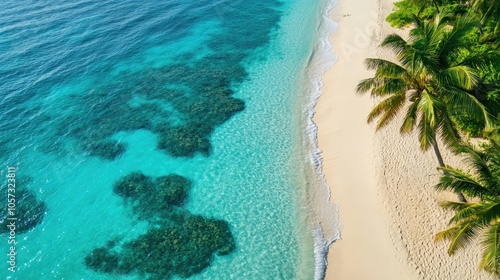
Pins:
x: 28, y: 210
x: 182, y: 249
x: 153, y: 199
x: 177, y: 243
x: 180, y: 103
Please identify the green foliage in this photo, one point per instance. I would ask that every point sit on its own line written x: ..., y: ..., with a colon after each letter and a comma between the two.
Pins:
x: 460, y: 89
x: 465, y: 123
x: 493, y: 156
x: 488, y: 88
x: 488, y: 11
x: 405, y: 13
x: 471, y: 51
x: 406, y: 10
x: 480, y: 218
x: 428, y: 81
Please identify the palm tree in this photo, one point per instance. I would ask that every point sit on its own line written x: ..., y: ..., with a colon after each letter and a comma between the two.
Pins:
x: 427, y: 82
x: 488, y: 12
x: 475, y: 219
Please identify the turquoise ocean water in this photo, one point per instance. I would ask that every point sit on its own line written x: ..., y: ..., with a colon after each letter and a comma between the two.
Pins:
x: 208, y: 92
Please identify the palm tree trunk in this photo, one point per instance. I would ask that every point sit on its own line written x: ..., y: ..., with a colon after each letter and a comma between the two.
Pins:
x: 438, y: 154
x: 460, y: 195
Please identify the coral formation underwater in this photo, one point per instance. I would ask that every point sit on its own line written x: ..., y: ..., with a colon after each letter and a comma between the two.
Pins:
x: 28, y: 210
x: 176, y: 243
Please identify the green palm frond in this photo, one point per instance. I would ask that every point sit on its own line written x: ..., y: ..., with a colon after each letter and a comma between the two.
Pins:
x: 490, y: 212
x: 381, y: 87
x: 448, y: 131
x: 488, y: 13
x: 472, y: 212
x: 426, y: 135
x: 478, y: 160
x: 481, y: 182
x: 391, y: 86
x: 429, y: 106
x: 464, y: 76
x: 433, y: 34
x: 473, y: 218
x: 483, y: 212
x: 417, y: 59
x: 463, y: 100
x: 418, y: 23
x: 459, y: 235
x: 482, y: 61
x: 385, y: 68
x: 367, y: 84
x: 452, y: 40
x: 395, y: 42
x: 491, y: 250
x: 459, y: 181
x: 493, y: 134
x: 470, y: 219
x: 411, y: 115
x: 423, y: 72
x: 487, y: 9
x: 387, y: 109
x: 455, y: 206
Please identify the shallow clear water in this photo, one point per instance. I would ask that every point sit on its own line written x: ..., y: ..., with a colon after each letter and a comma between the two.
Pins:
x: 95, y: 90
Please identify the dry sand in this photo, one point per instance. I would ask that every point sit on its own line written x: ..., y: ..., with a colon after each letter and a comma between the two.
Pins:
x: 382, y: 182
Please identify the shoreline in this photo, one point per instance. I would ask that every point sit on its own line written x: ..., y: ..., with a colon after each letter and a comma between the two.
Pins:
x: 365, y: 249
x: 381, y: 182
x: 322, y: 213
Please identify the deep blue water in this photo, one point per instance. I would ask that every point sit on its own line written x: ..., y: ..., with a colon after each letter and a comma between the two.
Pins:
x: 155, y: 139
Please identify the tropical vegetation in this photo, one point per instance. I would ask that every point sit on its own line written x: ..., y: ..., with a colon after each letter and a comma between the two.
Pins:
x: 482, y: 216
x: 445, y: 85
x: 428, y: 82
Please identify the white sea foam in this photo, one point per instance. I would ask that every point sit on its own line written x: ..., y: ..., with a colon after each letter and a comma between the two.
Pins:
x: 324, y: 216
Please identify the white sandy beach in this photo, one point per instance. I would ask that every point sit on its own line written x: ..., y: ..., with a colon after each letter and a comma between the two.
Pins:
x: 382, y: 182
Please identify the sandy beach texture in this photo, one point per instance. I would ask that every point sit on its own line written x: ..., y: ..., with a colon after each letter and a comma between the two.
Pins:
x: 382, y: 182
